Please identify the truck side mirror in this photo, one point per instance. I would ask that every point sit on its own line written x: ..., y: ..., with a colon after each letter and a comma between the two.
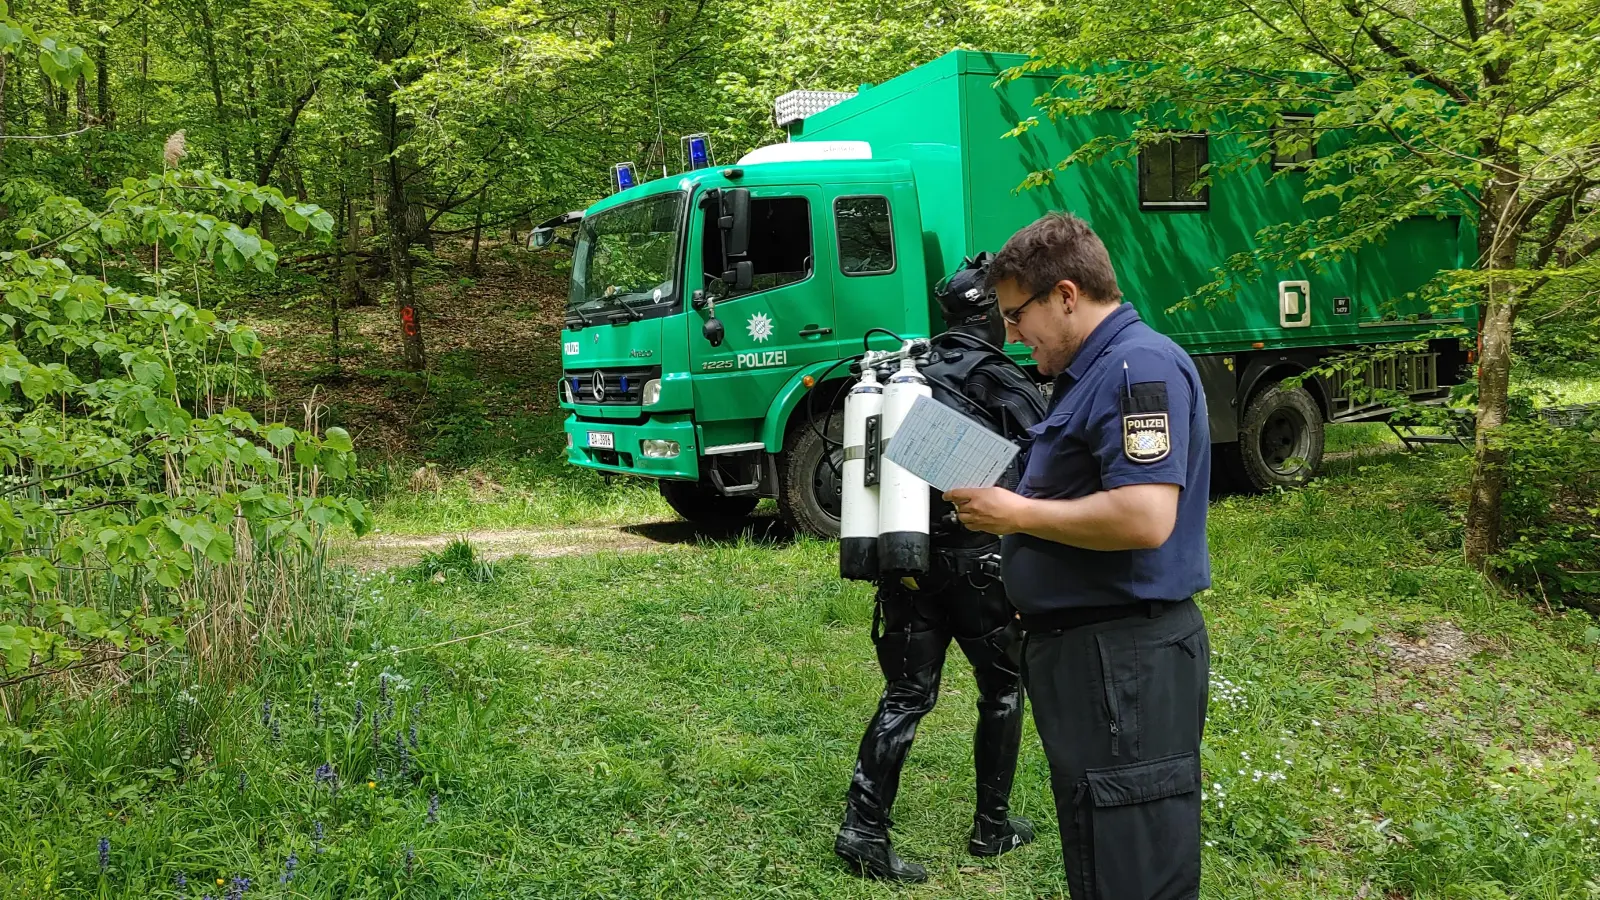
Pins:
x: 741, y: 277
x: 735, y: 222
x: 713, y: 331
x: 544, y: 234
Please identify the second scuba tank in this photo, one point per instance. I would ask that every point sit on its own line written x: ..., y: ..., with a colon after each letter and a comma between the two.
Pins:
x: 903, y: 546
x: 858, y: 519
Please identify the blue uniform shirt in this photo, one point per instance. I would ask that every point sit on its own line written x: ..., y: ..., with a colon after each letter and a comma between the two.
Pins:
x: 1129, y: 410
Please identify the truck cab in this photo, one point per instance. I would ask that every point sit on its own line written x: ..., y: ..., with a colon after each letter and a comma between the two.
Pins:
x: 711, y: 317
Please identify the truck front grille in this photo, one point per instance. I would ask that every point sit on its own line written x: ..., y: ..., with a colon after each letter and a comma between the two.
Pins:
x: 619, y: 386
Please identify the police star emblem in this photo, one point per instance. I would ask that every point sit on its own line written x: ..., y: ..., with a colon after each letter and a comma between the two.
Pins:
x: 1146, y: 437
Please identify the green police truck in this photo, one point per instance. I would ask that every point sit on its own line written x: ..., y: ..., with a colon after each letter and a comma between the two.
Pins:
x: 710, y: 311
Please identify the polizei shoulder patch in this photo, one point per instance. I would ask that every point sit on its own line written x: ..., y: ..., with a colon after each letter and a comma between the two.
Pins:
x: 1146, y: 438
x: 1146, y: 431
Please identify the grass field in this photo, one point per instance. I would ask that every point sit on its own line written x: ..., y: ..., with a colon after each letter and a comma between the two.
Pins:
x: 682, y: 724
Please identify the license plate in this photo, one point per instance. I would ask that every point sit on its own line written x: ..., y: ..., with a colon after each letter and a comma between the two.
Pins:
x: 602, y: 440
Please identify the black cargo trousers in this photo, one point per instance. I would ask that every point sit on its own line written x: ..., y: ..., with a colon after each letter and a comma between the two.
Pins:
x: 912, y: 629
x: 1120, y: 706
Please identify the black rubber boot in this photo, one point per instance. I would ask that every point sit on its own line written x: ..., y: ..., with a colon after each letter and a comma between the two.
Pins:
x: 993, y: 839
x: 869, y: 853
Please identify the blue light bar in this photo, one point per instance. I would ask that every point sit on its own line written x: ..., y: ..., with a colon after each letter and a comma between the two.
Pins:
x: 622, y: 176
x: 697, y: 151
x: 624, y: 384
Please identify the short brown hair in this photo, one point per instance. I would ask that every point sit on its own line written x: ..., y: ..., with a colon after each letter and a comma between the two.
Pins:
x: 1058, y: 247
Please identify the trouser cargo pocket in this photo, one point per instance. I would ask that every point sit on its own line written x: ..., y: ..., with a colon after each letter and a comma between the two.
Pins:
x: 1144, y: 829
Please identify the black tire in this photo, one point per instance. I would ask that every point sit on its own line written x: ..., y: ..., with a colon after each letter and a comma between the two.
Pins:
x: 811, y: 472
x: 1280, y: 441
x: 699, y: 502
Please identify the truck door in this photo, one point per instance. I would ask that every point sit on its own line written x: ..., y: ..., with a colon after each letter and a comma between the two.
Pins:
x: 878, y: 279
x: 784, y: 322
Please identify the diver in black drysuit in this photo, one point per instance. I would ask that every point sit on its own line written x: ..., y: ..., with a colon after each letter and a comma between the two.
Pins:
x: 961, y: 598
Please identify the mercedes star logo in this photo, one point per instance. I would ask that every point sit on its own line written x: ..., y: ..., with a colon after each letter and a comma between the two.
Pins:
x: 597, y: 387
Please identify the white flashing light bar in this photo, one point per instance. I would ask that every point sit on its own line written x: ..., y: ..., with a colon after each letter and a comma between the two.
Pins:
x: 797, y: 105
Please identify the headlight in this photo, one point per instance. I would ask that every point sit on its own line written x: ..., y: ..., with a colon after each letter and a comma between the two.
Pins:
x: 659, y: 449
x: 566, y: 392
x: 650, y: 394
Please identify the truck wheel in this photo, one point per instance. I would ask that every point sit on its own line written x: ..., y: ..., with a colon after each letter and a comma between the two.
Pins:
x: 700, y: 503
x: 812, y: 472
x: 1280, y: 443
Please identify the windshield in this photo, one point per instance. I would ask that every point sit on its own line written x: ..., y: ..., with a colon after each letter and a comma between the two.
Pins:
x: 627, y: 259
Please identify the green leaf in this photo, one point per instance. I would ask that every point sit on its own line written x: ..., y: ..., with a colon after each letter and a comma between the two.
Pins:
x: 281, y: 436
x: 9, y: 36
x: 338, y: 439
x: 248, y: 245
x: 149, y: 372
x: 245, y: 342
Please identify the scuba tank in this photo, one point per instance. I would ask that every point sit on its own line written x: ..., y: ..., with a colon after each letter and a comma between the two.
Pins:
x: 858, y: 520
x: 903, y: 544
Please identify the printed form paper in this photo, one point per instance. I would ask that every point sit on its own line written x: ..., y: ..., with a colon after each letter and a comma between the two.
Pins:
x: 947, y: 449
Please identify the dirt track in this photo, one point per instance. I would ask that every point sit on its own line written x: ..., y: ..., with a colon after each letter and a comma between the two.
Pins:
x: 381, y: 551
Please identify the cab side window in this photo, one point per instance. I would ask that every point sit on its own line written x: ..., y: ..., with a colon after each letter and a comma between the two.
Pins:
x: 866, y: 235
x: 780, y: 242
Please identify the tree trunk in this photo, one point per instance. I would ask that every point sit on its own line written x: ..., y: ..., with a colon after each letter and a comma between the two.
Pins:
x: 1499, y: 311
x: 144, y: 61
x: 346, y: 263
x: 395, y: 211
x: 52, y: 110
x: 349, y: 276
x: 5, y: 211
x: 477, y: 236
x: 102, y: 84
x: 417, y: 225
x: 4, y: 58
x: 208, y: 43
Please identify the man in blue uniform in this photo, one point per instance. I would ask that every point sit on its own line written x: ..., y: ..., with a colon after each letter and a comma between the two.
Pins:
x: 1104, y: 548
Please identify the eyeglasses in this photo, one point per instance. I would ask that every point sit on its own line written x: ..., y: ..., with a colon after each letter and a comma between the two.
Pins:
x: 1014, y: 317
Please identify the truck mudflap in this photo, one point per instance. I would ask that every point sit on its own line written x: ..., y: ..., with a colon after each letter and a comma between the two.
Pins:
x: 611, y: 446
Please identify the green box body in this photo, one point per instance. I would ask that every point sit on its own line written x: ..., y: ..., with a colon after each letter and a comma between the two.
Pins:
x: 951, y: 179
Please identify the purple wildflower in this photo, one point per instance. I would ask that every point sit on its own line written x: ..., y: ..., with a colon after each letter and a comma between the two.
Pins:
x: 316, y: 842
x: 411, y: 857
x: 182, y: 881
x: 383, y: 687
x: 360, y: 712
x: 237, y: 888
x: 266, y: 712
x: 288, y: 868
x: 105, y: 853
x: 244, y: 782
x: 413, y: 735
x: 433, y: 809
x: 316, y: 711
